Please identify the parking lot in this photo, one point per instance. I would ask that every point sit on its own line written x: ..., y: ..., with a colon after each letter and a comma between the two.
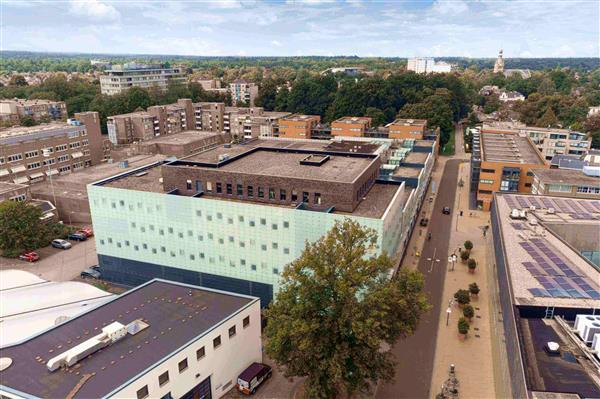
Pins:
x: 58, y: 264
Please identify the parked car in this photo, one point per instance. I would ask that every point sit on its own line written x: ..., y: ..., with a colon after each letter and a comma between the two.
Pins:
x: 91, y: 273
x: 30, y: 257
x: 252, y: 377
x: 424, y: 222
x: 446, y: 210
x: 95, y: 267
x: 77, y: 236
x: 61, y: 244
x: 86, y: 231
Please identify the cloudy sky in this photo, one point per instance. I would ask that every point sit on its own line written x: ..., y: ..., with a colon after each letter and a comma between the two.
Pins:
x: 533, y: 28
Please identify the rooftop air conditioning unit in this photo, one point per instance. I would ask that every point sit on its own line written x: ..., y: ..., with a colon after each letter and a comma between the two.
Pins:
x: 551, y: 211
x: 533, y: 222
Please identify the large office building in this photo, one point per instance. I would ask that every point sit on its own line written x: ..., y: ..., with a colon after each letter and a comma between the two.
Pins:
x: 544, y: 250
x: 548, y: 141
x: 407, y: 129
x: 11, y: 111
x: 32, y: 154
x: 351, y: 126
x: 123, y: 77
x: 298, y: 126
x: 505, y: 165
x: 243, y: 92
x: 232, y: 217
x: 159, y: 340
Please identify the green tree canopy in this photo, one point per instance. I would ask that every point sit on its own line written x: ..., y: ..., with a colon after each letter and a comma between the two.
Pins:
x: 336, y: 307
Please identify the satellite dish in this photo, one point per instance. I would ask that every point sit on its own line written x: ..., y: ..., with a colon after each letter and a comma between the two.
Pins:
x: 5, y: 363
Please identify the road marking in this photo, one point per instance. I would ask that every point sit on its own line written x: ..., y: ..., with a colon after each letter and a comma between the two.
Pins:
x: 432, y: 260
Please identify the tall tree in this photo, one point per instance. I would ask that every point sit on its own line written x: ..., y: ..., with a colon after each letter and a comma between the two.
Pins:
x: 335, y: 309
x: 549, y: 119
x: 17, y: 80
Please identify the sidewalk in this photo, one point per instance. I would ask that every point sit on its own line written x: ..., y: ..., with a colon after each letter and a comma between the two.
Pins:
x: 472, y: 357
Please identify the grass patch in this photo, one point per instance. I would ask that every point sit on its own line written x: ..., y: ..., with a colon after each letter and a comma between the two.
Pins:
x: 448, y: 148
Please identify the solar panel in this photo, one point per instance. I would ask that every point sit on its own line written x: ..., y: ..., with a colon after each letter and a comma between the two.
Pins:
x: 539, y: 292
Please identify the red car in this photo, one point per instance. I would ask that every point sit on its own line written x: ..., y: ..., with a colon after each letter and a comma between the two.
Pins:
x: 30, y: 257
x: 86, y: 231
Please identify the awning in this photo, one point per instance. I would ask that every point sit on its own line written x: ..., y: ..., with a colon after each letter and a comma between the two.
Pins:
x: 21, y: 180
x: 4, y: 172
x: 77, y: 154
x: 18, y: 168
x: 52, y: 172
x: 36, y: 176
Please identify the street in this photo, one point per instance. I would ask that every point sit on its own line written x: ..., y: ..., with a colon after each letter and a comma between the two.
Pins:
x: 57, y: 264
x: 415, y: 355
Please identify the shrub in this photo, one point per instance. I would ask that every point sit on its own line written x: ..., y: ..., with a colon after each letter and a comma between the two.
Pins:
x: 472, y: 265
x: 468, y: 245
x: 464, y: 255
x: 468, y: 312
x: 463, y: 326
x: 462, y: 297
x: 474, y: 288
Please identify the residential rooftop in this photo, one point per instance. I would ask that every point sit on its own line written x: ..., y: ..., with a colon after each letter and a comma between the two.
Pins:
x: 544, y: 270
x: 131, y: 114
x: 509, y: 148
x: 6, y: 187
x: 182, y: 138
x: 16, y: 134
x: 566, y: 176
x: 177, y: 314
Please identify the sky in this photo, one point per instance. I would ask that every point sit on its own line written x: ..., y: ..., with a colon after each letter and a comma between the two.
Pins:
x: 534, y: 28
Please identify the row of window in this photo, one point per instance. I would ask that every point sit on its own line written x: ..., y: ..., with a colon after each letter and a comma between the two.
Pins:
x: 183, y: 364
x: 36, y: 153
x: 250, y: 192
x: 200, y: 255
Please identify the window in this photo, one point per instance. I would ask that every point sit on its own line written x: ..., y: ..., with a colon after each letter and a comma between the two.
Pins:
x: 275, y: 245
x: 14, y: 158
x: 282, y: 195
x: 559, y: 188
x: 188, y: 184
x: 142, y: 392
x: 229, y: 220
x: 488, y: 170
x: 240, y: 190
x: 198, y: 213
x: 252, y: 223
x: 294, y: 196
x: 34, y: 165
x: 219, y: 188
x: 200, y: 353
x: 271, y: 193
x: 229, y: 189
x: 527, y: 184
x: 253, y: 267
x: 183, y: 365
x: 263, y: 247
x: 286, y: 251
x: 485, y: 192
x: 217, y: 342
x: 62, y: 147
x: 170, y: 230
x: 304, y: 196
x: 63, y: 158
x: 163, y: 378
x: 275, y: 270
x: 209, y: 187
x: 250, y: 190
x: 231, y: 331
x: 263, y: 221
x: 241, y: 219
x: 286, y: 225
x: 246, y: 321
x: 486, y: 181
x: 274, y: 226
x: 317, y: 198
x: 261, y: 192
x: 31, y: 154
x: 74, y: 145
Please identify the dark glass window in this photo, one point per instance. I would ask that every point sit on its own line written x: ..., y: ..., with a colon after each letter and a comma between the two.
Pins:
x: 246, y: 321
x: 240, y: 189
x: 217, y: 342
x: 163, y: 378
x: 200, y: 353
x: 231, y: 331
x: 261, y: 192
x: 282, y: 195
x: 250, y: 191
x: 219, y: 188
x: 183, y: 365
x: 304, y: 196
x: 271, y: 193
x: 318, y: 198
x: 294, y: 196
x: 229, y: 189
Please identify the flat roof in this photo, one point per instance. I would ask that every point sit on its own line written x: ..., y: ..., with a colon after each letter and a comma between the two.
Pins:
x: 15, y: 134
x: 519, y: 127
x: 353, y: 119
x: 509, y: 148
x: 407, y: 171
x: 416, y: 157
x: 299, y: 117
x: 565, y: 176
x: 148, y: 180
x: 378, y: 199
x: 129, y: 115
x: 6, y: 187
x: 176, y: 314
x: 408, y: 122
x: 182, y: 138
x: 544, y: 270
x: 25, y: 102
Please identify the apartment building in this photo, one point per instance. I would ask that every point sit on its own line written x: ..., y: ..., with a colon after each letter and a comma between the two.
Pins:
x: 243, y: 91
x: 32, y: 154
x: 14, y: 192
x: 234, y: 216
x: 11, y: 111
x: 209, y: 117
x: 549, y: 141
x: 163, y: 339
x: 507, y: 163
x: 565, y: 183
x: 251, y: 122
x: 427, y: 65
x: 351, y: 126
x: 407, y: 129
x: 158, y: 120
x: 298, y: 126
x: 122, y: 77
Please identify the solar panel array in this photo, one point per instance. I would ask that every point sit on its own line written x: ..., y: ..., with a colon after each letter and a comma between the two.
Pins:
x: 581, y: 209
x: 557, y: 277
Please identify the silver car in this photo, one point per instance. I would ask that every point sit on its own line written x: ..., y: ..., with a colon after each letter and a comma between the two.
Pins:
x: 61, y: 244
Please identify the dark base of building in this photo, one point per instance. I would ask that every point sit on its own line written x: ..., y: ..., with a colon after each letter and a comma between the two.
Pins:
x: 131, y: 272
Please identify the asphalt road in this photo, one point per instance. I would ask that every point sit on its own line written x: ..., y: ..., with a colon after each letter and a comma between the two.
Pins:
x: 415, y: 355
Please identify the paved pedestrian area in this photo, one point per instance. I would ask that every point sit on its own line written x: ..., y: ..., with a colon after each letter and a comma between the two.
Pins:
x: 472, y: 357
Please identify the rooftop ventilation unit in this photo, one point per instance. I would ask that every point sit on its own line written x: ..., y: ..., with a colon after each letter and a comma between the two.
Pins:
x: 110, y: 334
x: 533, y: 222
x: 550, y: 211
x: 223, y: 157
x: 518, y: 214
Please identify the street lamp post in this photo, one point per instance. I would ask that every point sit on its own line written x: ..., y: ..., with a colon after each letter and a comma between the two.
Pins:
x: 46, y: 154
x: 448, y: 311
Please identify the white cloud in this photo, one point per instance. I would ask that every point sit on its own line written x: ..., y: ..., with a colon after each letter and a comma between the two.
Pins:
x: 94, y: 9
x: 276, y: 43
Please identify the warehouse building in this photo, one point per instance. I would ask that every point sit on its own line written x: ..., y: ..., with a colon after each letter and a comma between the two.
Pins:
x: 159, y: 340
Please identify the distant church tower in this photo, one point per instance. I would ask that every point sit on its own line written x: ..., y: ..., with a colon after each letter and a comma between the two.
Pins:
x: 499, y: 65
